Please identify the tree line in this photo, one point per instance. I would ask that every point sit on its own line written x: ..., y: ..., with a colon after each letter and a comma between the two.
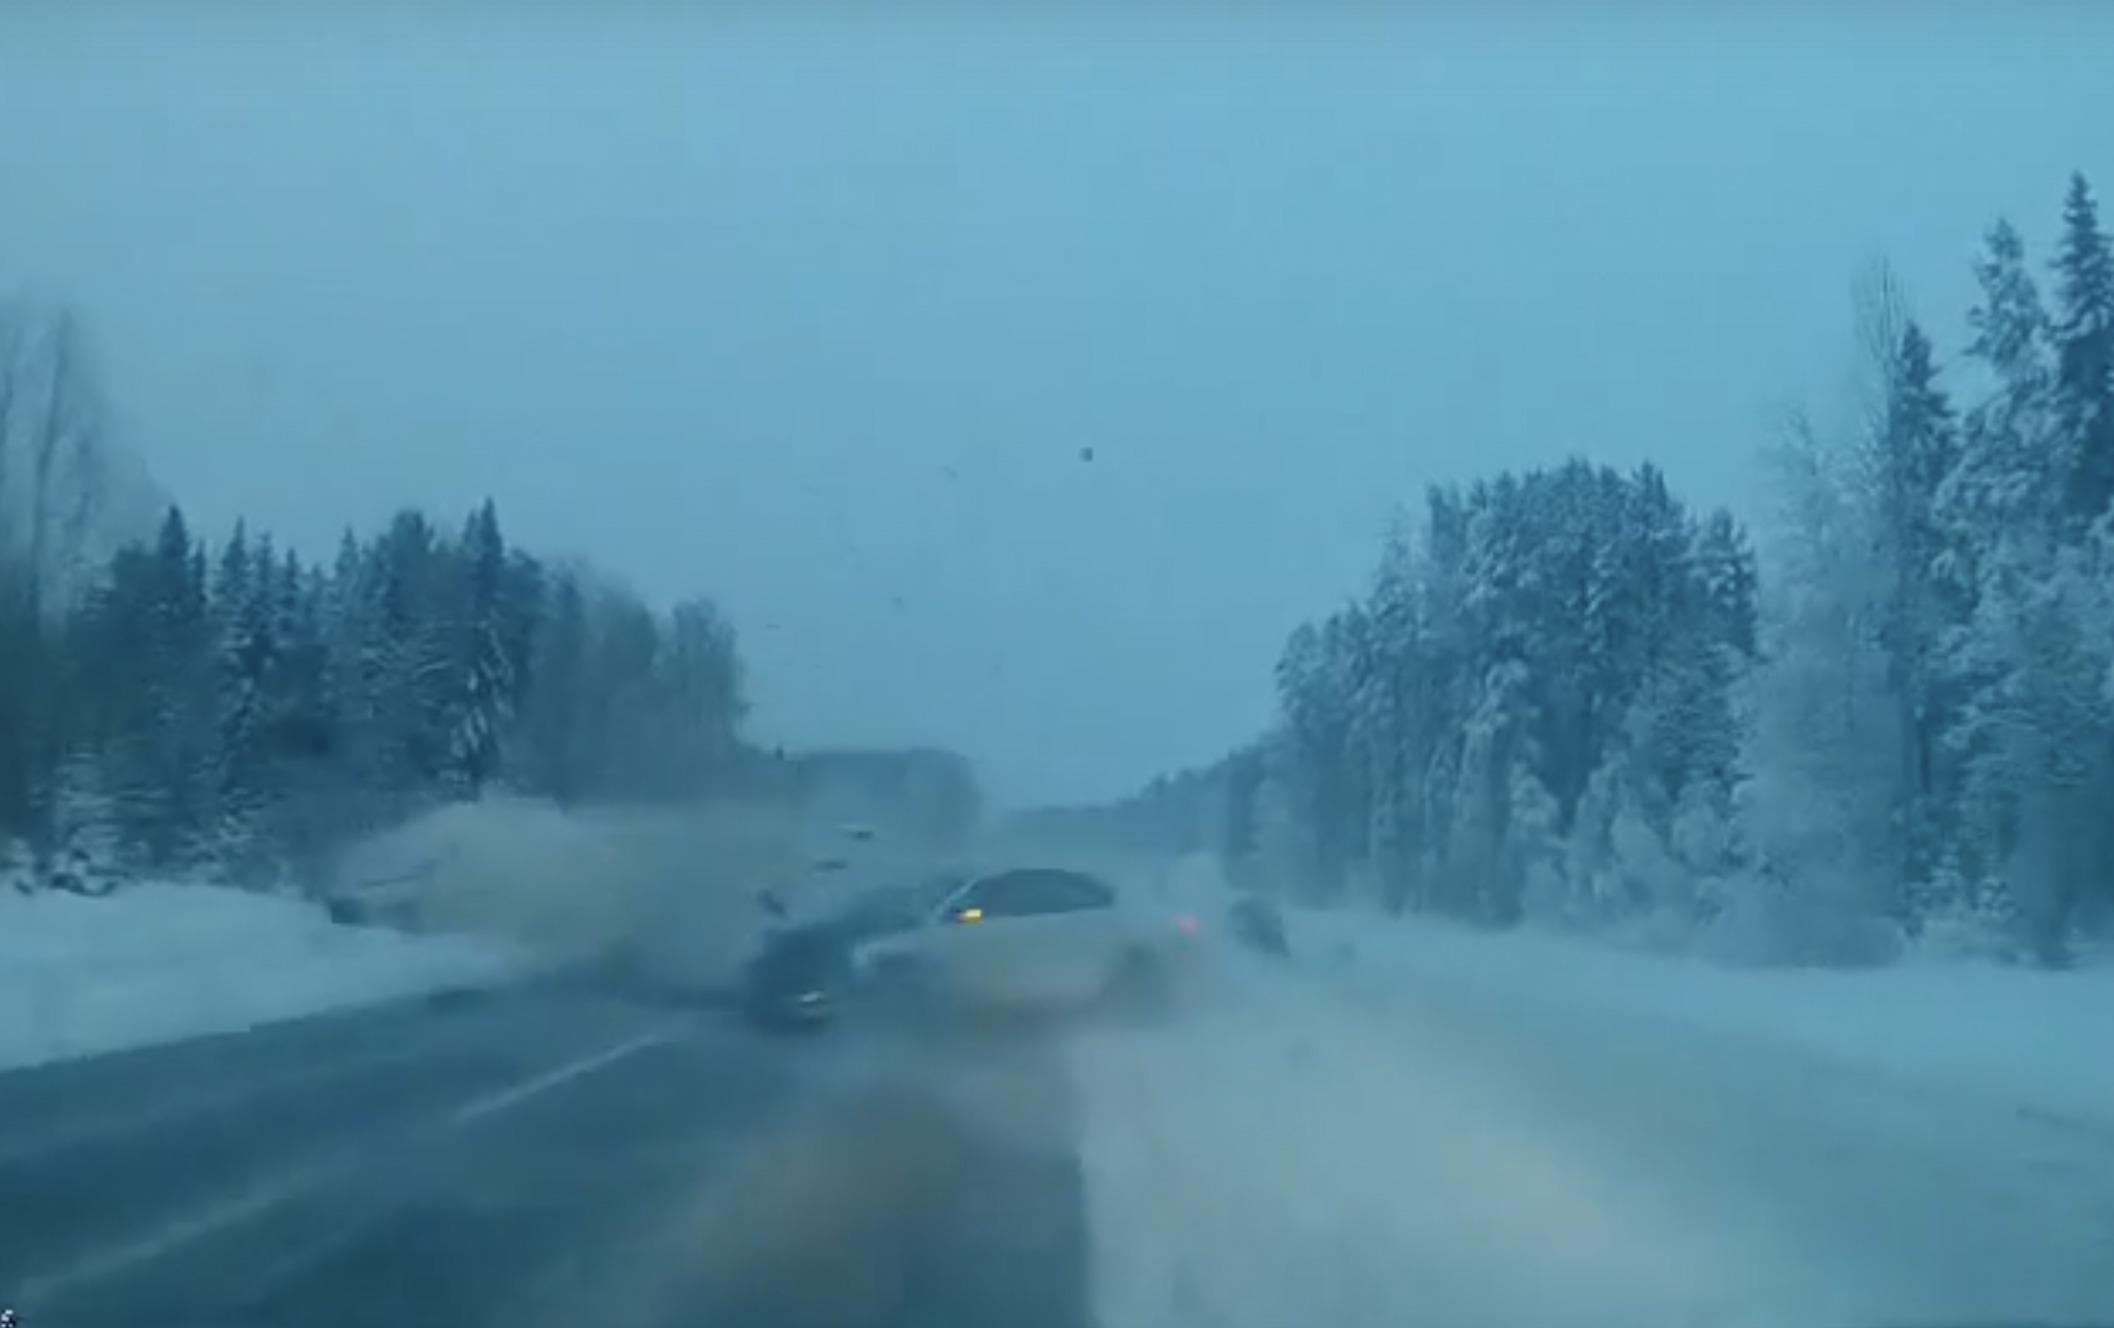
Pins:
x: 1567, y: 695
x: 227, y: 708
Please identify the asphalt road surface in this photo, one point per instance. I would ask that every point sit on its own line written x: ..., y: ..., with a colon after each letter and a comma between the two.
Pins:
x: 544, y: 1157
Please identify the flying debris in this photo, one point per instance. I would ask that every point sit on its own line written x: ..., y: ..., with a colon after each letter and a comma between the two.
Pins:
x: 1086, y: 454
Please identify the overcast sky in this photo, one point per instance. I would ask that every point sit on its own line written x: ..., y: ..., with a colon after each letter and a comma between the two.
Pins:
x: 816, y: 317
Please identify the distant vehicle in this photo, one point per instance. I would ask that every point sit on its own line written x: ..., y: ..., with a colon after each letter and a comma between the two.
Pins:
x: 853, y: 830
x: 1028, y: 937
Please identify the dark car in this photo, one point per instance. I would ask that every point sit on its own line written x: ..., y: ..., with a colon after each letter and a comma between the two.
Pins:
x: 802, y: 974
x: 797, y: 979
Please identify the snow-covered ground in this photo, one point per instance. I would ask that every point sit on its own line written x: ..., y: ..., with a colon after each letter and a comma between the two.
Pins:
x: 155, y: 963
x: 1411, y: 1126
x: 2041, y: 1041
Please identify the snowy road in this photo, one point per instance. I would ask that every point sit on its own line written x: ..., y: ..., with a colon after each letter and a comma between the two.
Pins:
x: 1376, y: 1148
x: 1348, y: 1144
x: 533, y: 1158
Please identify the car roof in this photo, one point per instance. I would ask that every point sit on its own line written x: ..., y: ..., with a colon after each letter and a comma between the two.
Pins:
x: 981, y: 878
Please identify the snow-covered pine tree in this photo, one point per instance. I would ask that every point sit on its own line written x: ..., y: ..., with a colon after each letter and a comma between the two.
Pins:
x: 1482, y: 867
x: 247, y: 612
x: 553, y: 719
x: 1916, y: 448
x: 482, y: 710
x: 2084, y: 355
x: 2033, y: 730
x: 307, y: 807
x: 2037, y: 733
x: 1319, y: 769
x: 236, y: 687
x: 2002, y: 498
x: 146, y: 649
x: 1999, y: 516
x: 411, y: 668
x: 1384, y: 716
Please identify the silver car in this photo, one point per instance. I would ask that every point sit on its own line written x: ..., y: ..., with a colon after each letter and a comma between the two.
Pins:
x: 1027, y: 937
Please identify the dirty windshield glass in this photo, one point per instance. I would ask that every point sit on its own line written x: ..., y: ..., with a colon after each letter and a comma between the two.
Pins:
x: 1510, y: 607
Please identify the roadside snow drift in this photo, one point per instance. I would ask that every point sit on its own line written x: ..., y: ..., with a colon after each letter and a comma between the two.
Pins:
x: 1404, y: 1126
x: 2040, y: 1041
x: 159, y: 963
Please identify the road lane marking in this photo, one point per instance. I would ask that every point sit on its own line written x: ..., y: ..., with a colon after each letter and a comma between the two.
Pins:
x: 508, y: 1098
x: 257, y: 1200
x: 214, y: 1218
x: 90, y: 1130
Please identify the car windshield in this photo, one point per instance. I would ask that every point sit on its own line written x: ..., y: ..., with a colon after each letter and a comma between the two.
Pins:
x: 1034, y: 891
x: 1043, y: 665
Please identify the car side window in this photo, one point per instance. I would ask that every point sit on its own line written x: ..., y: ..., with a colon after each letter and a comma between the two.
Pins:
x: 1036, y: 892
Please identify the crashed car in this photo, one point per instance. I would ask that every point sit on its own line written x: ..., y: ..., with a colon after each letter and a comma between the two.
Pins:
x: 1032, y: 937
x: 797, y: 977
x: 801, y: 974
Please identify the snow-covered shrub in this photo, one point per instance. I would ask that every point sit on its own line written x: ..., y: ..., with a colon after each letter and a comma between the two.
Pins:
x: 1978, y: 924
x: 1813, y: 920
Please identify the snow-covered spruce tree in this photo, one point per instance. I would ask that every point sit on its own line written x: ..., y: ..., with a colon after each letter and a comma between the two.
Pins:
x: 2083, y: 330
x: 1390, y: 715
x: 408, y: 660
x: 1319, y: 771
x: 2038, y: 736
x: 481, y: 709
x: 2028, y: 506
x: 548, y: 758
x: 1671, y: 633
x: 1550, y: 652
x: 244, y: 626
x: 1915, y: 448
x: 144, y: 664
x: 301, y: 820
x: 2000, y: 516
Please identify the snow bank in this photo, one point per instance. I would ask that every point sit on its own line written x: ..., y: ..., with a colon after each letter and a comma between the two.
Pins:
x: 1279, y: 1159
x: 1416, y: 1126
x: 158, y: 963
x: 2036, y: 1039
